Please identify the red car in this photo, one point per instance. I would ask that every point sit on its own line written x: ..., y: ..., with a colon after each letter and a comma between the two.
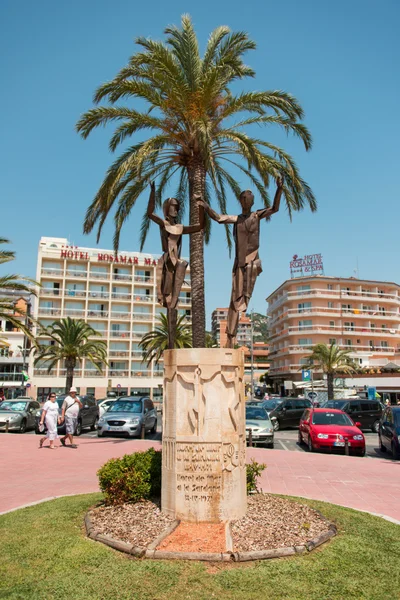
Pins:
x: 328, y: 428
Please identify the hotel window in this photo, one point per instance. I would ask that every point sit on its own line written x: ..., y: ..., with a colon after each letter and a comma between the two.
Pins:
x: 383, y: 326
x: 304, y: 306
x: 305, y: 324
x: 372, y: 325
x: 349, y: 326
x: 347, y: 342
x: 331, y: 323
x: 346, y: 307
x: 384, y: 344
x: 332, y: 341
x: 330, y: 304
x: 329, y: 286
x: 305, y: 342
x: 303, y: 289
x: 358, y: 341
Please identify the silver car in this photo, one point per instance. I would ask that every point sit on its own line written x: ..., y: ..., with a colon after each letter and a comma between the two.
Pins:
x: 126, y: 416
x: 258, y: 421
x: 19, y: 414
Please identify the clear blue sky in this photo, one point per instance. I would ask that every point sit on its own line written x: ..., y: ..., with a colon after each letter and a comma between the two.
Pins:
x: 340, y: 59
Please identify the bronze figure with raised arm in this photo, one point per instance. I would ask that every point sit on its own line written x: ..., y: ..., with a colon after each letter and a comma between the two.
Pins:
x: 171, y: 268
x: 247, y: 265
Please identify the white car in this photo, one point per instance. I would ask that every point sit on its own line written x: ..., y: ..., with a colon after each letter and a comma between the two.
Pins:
x: 104, y: 405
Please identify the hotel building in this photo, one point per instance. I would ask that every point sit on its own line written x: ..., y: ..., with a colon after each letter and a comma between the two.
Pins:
x: 218, y: 325
x: 358, y: 315
x: 114, y: 295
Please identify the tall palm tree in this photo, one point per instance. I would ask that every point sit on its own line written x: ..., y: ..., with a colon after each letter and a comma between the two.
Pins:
x: 155, y: 342
x: 198, y: 125
x: 70, y: 343
x: 13, y: 285
x: 331, y: 360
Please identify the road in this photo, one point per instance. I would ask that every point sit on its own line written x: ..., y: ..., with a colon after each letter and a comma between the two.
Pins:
x: 284, y: 440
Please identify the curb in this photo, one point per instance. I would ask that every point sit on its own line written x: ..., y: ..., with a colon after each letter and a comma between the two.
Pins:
x: 230, y: 556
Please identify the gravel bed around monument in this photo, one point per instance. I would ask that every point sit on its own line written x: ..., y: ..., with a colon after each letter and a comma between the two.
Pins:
x: 273, y: 522
x: 138, y: 524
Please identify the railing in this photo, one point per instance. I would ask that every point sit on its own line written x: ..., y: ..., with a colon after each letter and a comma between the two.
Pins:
x: 77, y: 372
x: 122, y: 277
x: 54, y: 312
x: 100, y: 332
x: 141, y: 373
x: 137, y: 353
x: 44, y: 373
x: 141, y: 279
x: 94, y: 373
x: 142, y: 298
x: 4, y: 377
x: 118, y: 373
x: 99, y: 275
x: 121, y: 296
x: 53, y: 272
x: 118, y: 352
x: 326, y: 328
x: 120, y: 315
x: 101, y: 314
x: 75, y: 293
x: 142, y: 316
x: 336, y: 294
x: 98, y: 294
x: 75, y: 273
x: 334, y: 312
x: 50, y: 292
x: 186, y: 301
x: 307, y: 348
x: 75, y: 312
x: 120, y: 334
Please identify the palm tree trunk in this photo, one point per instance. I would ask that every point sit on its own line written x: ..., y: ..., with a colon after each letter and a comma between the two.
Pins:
x: 197, y: 180
x: 330, y: 386
x: 70, y: 366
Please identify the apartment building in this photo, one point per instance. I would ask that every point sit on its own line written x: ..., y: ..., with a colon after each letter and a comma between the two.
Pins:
x: 116, y: 295
x: 218, y: 324
x: 359, y: 315
x: 14, y: 347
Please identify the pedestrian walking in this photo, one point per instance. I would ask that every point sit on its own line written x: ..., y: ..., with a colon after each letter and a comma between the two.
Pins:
x: 51, y: 418
x: 70, y: 412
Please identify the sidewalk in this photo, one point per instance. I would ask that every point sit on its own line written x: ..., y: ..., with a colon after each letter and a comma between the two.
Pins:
x: 29, y: 475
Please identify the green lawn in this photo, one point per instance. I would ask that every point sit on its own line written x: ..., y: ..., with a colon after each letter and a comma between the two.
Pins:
x: 45, y: 555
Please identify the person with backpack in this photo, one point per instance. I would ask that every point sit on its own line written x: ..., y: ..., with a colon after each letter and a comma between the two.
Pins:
x: 70, y: 411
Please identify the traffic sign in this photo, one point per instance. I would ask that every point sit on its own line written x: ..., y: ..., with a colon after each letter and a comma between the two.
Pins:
x: 118, y: 385
x: 371, y: 393
x: 28, y: 385
x: 312, y: 395
x: 306, y: 375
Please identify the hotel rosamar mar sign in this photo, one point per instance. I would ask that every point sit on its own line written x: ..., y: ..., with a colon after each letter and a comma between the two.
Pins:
x: 74, y: 253
x: 312, y: 264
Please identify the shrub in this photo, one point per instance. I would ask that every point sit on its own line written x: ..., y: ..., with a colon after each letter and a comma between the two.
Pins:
x: 253, y: 472
x: 132, y: 478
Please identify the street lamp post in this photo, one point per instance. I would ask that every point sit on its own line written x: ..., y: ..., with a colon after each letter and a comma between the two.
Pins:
x: 252, y: 355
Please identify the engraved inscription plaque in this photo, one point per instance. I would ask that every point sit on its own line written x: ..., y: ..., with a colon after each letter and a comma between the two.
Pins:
x: 204, y: 443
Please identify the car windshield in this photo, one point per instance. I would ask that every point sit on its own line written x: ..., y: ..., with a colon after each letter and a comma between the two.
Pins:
x: 257, y: 414
x: 331, y: 418
x: 15, y: 406
x: 335, y: 404
x: 271, y: 404
x: 133, y: 406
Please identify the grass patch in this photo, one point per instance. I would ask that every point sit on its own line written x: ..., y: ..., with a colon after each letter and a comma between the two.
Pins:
x: 45, y: 555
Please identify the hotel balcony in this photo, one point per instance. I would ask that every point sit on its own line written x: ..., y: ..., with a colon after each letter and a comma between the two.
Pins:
x: 75, y: 273
x: 122, y: 277
x: 63, y: 372
x: 335, y: 312
x: 142, y: 316
x: 339, y: 295
x: 50, y: 272
x: 307, y: 349
x: 44, y: 373
x: 143, y: 298
x: 112, y: 353
x: 326, y: 329
x: 118, y: 373
x: 99, y: 275
x: 94, y: 373
x: 145, y: 373
x: 141, y: 279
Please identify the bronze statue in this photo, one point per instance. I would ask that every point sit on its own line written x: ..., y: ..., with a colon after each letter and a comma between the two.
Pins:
x: 170, y: 272
x: 247, y: 265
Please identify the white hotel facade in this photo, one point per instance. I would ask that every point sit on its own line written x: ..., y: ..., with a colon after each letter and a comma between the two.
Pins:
x: 117, y: 297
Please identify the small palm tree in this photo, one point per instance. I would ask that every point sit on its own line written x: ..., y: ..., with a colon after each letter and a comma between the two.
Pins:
x: 13, y: 284
x: 155, y: 342
x: 197, y: 122
x: 331, y: 360
x: 70, y: 343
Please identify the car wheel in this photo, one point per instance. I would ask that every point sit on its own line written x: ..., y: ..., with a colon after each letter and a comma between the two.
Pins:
x: 310, y: 444
x: 375, y: 427
x: 271, y: 445
x: 360, y: 452
x: 22, y: 427
x: 94, y: 424
x: 395, y: 453
x: 382, y: 448
x: 78, y: 429
x: 276, y: 425
x: 154, y: 428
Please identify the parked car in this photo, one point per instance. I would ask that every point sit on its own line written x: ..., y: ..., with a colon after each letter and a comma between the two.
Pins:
x: 258, y: 421
x: 366, y: 412
x: 19, y: 413
x: 88, y: 415
x: 389, y: 430
x: 104, y: 404
x: 271, y: 403
x: 287, y: 412
x: 328, y: 428
x: 127, y: 415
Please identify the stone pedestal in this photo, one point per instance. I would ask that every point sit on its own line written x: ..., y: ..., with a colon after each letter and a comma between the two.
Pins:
x: 204, y: 441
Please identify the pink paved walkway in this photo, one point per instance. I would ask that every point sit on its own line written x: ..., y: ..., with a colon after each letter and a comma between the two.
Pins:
x: 28, y: 474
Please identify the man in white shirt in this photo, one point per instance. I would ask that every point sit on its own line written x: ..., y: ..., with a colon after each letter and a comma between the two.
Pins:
x: 70, y: 412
